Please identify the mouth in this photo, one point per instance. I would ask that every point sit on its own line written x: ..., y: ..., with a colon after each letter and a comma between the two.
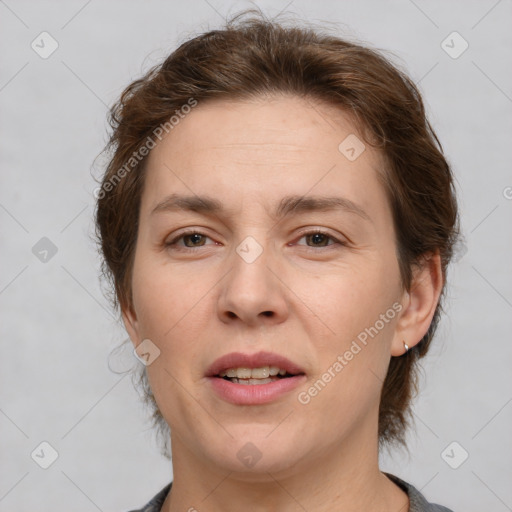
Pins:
x: 255, y: 376
x: 253, y: 379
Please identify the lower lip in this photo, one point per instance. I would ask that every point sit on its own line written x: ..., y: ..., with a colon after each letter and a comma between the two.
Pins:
x: 254, y: 394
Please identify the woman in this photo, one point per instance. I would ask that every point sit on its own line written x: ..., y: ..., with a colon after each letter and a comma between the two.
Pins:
x: 277, y: 218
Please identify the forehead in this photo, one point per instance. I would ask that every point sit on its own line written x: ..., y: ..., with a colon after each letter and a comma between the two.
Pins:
x: 267, y: 124
x: 264, y: 146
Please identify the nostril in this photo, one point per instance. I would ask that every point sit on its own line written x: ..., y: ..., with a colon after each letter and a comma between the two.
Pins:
x: 268, y: 313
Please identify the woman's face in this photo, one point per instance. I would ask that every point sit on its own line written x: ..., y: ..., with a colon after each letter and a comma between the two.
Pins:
x: 266, y: 241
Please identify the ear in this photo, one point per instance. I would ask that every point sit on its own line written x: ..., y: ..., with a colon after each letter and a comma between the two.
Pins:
x: 419, y: 304
x: 131, y: 324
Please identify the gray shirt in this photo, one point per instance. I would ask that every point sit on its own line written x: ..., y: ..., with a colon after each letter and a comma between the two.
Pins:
x: 417, y: 501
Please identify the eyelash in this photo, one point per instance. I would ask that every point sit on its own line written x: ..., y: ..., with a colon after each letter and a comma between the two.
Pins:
x: 173, y: 243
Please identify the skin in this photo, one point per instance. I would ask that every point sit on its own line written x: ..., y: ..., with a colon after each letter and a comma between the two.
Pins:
x: 304, y: 297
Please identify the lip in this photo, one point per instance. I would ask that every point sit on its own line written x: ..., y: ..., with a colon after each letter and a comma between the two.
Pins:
x: 240, y: 360
x: 257, y: 394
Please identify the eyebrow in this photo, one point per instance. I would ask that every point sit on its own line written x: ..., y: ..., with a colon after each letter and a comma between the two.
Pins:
x: 287, y: 205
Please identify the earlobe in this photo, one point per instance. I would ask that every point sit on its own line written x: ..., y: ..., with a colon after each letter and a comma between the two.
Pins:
x: 419, y: 304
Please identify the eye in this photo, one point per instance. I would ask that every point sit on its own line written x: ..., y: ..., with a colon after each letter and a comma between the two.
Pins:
x: 190, y: 239
x: 319, y: 238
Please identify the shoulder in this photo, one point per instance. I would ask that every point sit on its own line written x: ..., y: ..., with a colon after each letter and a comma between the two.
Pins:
x: 418, y: 502
x: 155, y: 503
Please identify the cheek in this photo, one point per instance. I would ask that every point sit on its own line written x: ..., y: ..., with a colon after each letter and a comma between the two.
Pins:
x: 169, y: 300
x: 356, y: 305
x: 354, y: 355
x: 348, y: 300
x: 172, y: 311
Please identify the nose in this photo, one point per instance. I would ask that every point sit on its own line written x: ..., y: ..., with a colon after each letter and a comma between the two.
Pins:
x: 252, y: 294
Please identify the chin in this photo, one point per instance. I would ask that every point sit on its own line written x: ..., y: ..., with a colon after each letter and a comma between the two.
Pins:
x: 253, y: 453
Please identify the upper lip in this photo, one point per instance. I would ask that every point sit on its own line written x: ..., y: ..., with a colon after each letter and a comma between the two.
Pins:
x: 258, y: 360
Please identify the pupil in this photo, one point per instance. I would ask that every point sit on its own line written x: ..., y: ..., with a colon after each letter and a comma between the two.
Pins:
x: 194, y: 238
x: 318, y: 238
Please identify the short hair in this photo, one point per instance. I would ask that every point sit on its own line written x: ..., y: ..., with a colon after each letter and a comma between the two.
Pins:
x: 254, y: 57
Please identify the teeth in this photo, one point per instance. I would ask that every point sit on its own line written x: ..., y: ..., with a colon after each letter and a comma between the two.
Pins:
x: 244, y: 373
x: 262, y: 373
x: 252, y: 381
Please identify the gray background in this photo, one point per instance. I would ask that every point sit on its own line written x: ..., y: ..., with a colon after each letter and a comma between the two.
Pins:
x: 57, y: 329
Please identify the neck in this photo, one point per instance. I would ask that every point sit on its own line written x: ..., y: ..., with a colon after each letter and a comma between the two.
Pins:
x: 344, y: 477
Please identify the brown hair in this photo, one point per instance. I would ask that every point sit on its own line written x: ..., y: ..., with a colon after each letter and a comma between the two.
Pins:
x: 256, y: 57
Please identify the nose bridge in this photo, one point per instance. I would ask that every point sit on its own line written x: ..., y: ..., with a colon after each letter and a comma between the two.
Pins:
x: 251, y: 291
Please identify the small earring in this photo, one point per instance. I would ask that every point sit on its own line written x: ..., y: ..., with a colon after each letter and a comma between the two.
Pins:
x: 406, y: 347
